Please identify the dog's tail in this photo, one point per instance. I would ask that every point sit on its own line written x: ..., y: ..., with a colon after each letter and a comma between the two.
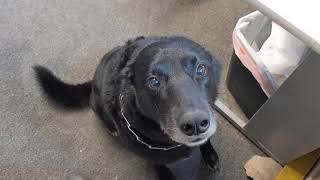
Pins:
x: 64, y: 95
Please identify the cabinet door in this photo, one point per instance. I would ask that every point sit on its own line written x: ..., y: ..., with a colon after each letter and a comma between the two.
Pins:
x: 288, y: 124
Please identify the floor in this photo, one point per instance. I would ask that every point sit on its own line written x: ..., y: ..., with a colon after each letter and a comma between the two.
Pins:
x: 38, y: 141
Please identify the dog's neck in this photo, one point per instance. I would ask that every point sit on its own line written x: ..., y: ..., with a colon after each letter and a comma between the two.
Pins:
x: 151, y: 135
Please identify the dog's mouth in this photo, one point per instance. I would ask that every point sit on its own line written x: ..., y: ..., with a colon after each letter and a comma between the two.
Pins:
x: 197, y: 142
x: 176, y: 135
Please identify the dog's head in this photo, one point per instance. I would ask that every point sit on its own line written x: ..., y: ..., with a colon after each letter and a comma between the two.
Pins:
x: 176, y: 84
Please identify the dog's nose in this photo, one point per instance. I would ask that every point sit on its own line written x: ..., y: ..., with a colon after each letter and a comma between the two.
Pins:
x: 194, y: 124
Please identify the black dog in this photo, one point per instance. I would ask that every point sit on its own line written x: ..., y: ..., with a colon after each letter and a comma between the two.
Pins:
x: 155, y: 95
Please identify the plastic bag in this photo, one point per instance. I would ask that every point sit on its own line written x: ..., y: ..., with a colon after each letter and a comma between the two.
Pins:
x: 268, y: 51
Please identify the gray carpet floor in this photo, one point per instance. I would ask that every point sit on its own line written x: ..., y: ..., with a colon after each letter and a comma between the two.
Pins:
x: 38, y: 141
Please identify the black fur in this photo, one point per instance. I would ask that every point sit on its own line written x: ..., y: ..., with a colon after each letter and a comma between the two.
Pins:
x: 122, y: 73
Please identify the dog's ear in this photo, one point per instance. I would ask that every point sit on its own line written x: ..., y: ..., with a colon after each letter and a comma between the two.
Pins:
x: 216, y: 67
x: 113, y: 73
x: 129, y: 49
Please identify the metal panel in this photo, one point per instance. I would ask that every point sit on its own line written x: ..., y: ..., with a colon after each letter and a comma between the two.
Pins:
x: 288, y: 124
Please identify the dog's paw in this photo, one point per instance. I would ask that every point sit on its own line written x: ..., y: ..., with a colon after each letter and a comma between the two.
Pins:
x: 111, y: 128
x: 112, y: 132
x: 210, y: 156
x: 213, y: 163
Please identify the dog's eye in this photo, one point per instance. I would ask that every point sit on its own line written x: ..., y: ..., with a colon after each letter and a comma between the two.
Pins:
x: 202, y: 70
x: 154, y: 83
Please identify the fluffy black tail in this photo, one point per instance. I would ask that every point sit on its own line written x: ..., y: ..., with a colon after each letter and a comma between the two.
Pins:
x: 64, y: 95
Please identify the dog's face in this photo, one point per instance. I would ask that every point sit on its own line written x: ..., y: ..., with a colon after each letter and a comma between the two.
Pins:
x: 175, y: 87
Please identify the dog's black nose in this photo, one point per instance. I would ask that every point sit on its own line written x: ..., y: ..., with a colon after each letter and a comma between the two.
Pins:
x: 194, y: 124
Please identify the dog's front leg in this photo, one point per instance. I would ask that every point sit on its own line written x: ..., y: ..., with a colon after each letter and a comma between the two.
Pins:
x: 210, y: 156
x: 164, y: 173
x: 187, y: 168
